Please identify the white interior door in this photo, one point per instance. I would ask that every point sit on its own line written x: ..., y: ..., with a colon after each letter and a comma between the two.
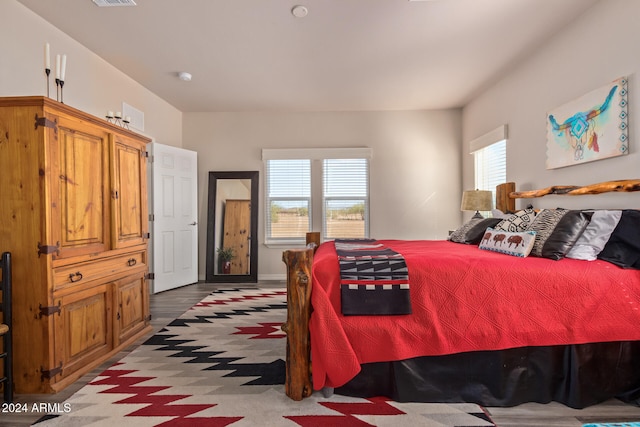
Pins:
x: 174, y: 235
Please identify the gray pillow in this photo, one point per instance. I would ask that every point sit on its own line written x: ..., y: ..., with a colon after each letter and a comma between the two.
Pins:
x: 596, y: 235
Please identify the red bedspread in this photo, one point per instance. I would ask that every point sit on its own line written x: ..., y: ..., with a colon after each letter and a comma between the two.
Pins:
x: 467, y: 299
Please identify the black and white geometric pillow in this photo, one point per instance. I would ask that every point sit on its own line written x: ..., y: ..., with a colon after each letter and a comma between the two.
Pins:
x: 518, y: 221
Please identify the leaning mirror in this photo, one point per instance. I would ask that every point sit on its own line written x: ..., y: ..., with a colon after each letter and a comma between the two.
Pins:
x: 232, y: 227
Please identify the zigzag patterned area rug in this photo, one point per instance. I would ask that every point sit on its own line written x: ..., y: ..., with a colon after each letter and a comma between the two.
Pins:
x: 222, y: 364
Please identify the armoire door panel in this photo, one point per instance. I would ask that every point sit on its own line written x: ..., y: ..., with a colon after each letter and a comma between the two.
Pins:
x: 128, y: 194
x: 83, y: 328
x: 80, y: 173
x: 132, y: 301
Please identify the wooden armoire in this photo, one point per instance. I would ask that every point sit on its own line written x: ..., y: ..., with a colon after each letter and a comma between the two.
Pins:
x: 73, y: 214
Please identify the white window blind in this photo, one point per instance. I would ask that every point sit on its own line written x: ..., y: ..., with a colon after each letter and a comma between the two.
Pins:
x: 491, y: 166
x: 346, y: 198
x: 288, y: 199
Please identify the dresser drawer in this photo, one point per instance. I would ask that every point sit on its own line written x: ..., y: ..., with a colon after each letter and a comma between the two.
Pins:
x: 92, y: 270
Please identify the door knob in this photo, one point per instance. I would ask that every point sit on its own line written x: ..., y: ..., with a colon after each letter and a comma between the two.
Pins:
x: 194, y: 223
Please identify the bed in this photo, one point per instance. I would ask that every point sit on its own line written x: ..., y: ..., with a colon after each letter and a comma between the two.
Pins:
x: 484, y: 327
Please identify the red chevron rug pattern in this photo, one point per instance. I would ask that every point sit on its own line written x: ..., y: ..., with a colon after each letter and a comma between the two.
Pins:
x: 222, y: 364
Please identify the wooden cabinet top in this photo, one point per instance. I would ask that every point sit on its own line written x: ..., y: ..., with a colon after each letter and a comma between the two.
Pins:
x: 45, y: 102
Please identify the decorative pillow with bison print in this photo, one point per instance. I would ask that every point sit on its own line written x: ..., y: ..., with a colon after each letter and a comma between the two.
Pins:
x: 517, y: 243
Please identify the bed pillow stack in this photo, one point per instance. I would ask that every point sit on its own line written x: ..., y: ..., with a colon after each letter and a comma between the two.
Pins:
x: 608, y: 235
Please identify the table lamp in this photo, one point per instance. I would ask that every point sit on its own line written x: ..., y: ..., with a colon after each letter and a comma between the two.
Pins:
x: 476, y: 200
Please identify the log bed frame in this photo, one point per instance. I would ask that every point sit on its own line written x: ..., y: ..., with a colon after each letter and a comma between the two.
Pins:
x: 299, y: 263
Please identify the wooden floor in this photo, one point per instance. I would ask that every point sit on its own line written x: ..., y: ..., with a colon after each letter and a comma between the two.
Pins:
x: 168, y: 305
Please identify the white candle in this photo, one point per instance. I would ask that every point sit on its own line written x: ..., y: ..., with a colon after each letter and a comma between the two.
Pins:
x: 58, y: 67
x: 47, y: 60
x: 127, y: 119
x: 109, y: 113
x: 64, y: 67
x: 118, y: 115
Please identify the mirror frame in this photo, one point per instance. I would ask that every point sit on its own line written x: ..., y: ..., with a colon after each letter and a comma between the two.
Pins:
x: 252, y: 277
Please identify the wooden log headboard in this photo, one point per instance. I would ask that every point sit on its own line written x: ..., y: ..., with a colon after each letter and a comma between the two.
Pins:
x: 506, y: 194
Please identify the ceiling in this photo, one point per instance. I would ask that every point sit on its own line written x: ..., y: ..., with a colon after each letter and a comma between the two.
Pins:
x: 345, y: 55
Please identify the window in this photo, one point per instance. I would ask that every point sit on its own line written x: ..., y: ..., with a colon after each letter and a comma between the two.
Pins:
x: 490, y: 155
x: 288, y: 199
x: 316, y: 189
x: 491, y: 166
x: 346, y: 198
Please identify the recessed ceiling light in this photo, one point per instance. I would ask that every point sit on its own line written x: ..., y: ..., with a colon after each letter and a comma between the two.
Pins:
x: 184, y: 76
x: 299, y: 11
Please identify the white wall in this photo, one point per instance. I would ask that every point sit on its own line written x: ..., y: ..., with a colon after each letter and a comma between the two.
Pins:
x: 92, y: 85
x: 415, y: 171
x: 600, y: 46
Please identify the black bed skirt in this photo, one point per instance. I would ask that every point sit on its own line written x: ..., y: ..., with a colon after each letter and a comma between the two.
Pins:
x: 577, y: 376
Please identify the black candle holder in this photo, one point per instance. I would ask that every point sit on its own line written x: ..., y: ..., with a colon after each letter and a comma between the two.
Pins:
x: 61, y: 94
x: 57, y: 89
x: 47, y: 71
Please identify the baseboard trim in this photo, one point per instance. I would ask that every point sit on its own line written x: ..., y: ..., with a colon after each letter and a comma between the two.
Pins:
x: 272, y: 277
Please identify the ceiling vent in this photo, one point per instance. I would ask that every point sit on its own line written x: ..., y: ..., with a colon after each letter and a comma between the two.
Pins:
x: 110, y: 3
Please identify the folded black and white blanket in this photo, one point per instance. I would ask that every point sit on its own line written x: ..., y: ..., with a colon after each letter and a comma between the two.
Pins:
x: 374, y: 279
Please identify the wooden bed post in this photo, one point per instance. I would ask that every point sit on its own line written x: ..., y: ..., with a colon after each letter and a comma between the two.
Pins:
x: 298, y: 363
x: 504, y: 201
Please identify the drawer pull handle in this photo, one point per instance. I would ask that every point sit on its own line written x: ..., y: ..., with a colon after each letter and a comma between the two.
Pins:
x: 132, y: 262
x: 75, y: 277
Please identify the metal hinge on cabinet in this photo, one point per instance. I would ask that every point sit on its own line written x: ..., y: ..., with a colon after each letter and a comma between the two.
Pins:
x: 48, y: 311
x: 43, y: 121
x: 147, y: 235
x: 50, y: 373
x: 150, y: 276
x: 148, y: 318
x: 152, y: 217
x: 48, y: 249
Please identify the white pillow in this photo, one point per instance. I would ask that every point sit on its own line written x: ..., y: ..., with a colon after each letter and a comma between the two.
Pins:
x: 595, y: 236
